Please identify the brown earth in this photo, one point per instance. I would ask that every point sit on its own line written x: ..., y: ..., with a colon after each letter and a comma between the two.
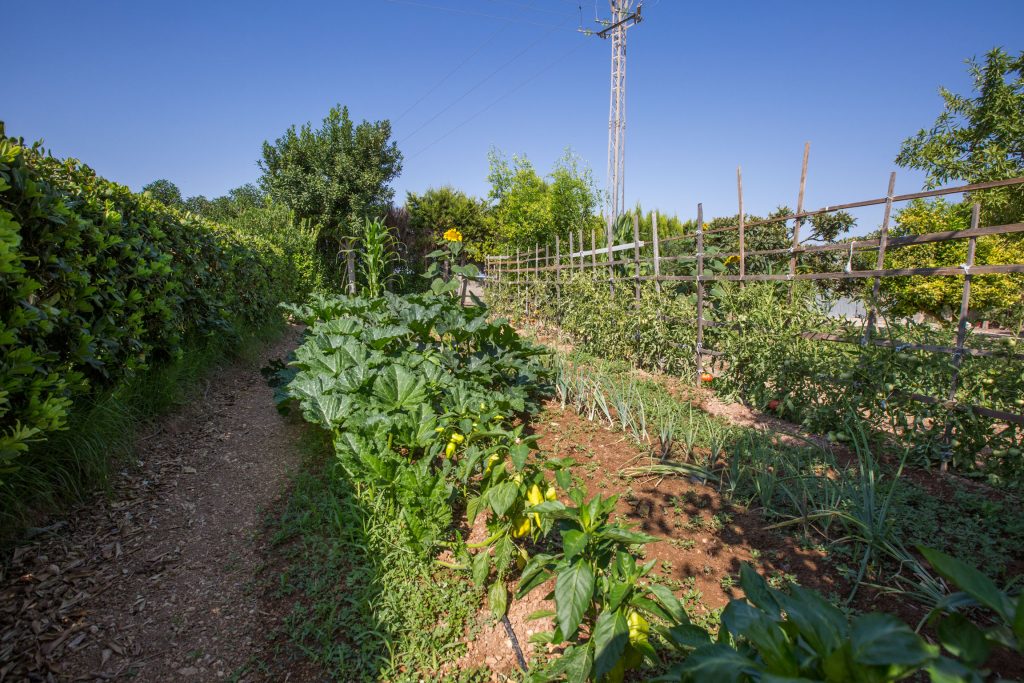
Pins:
x: 157, y: 581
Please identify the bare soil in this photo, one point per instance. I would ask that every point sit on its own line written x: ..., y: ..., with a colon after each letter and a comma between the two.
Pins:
x: 157, y: 581
x: 694, y: 553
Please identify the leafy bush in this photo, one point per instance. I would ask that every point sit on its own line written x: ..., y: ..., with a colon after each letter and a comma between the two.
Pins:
x: 98, y: 283
x: 410, y: 385
x: 775, y: 636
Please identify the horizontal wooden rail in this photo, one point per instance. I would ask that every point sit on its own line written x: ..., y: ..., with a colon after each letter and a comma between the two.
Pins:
x: 974, y: 187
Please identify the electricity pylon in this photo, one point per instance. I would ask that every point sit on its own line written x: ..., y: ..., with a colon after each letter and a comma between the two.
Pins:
x: 623, y: 16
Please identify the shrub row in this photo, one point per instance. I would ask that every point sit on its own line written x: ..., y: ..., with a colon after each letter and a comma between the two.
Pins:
x: 98, y: 283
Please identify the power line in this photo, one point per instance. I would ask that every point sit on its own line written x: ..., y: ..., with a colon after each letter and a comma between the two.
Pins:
x: 480, y: 83
x: 501, y: 97
x: 451, y: 73
x: 530, y: 6
x: 459, y: 10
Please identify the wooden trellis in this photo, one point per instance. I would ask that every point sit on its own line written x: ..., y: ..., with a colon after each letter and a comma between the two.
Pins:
x: 529, y: 272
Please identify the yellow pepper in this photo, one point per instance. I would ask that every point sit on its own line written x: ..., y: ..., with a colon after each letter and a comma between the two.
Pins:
x: 457, y: 438
x: 638, y: 627
x: 492, y: 461
x: 449, y: 449
x: 534, y: 495
x: 551, y: 494
x: 520, y: 527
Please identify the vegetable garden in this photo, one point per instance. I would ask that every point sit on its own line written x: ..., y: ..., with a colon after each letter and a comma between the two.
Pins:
x: 553, y: 471
x: 431, y: 407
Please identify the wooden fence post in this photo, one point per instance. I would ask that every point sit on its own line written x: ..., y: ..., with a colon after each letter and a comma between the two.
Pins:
x: 700, y: 291
x: 579, y: 243
x: 657, y: 252
x: 593, y: 249
x: 636, y: 257
x: 883, y: 238
x: 572, y: 249
x: 536, y: 277
x: 547, y: 264
x: 519, y: 289
x: 961, y: 330
x: 558, y: 272
x: 743, y: 255
x: 610, y: 237
x: 799, y: 220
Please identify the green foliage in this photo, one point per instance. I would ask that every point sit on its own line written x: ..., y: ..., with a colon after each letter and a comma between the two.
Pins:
x: 774, y: 636
x: 410, y: 385
x: 963, y: 637
x: 527, y: 211
x: 996, y: 296
x: 601, y: 608
x: 98, y: 283
x: 574, y: 197
x: 378, y: 257
x: 363, y: 608
x: 165, y: 192
x: 335, y: 175
x: 438, y: 210
x: 977, y: 139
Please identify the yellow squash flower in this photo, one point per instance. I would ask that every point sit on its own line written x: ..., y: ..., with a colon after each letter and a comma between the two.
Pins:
x: 452, y: 235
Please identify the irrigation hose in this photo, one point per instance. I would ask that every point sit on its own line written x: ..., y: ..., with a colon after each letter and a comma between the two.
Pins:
x: 515, y: 642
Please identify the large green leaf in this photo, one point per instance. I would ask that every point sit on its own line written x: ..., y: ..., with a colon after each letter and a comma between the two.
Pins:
x: 964, y: 639
x: 497, y: 598
x: 971, y: 581
x: 574, y: 589
x: 611, y: 634
x: 398, y: 388
x: 718, y: 663
x: 819, y: 622
x: 883, y: 640
x: 502, y: 496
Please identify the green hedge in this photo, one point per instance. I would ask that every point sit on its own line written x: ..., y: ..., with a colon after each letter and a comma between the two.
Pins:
x: 97, y: 283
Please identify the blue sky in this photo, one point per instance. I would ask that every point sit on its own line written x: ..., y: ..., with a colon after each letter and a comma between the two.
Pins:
x: 190, y: 90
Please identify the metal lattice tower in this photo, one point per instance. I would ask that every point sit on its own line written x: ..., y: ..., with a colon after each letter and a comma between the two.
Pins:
x: 622, y: 17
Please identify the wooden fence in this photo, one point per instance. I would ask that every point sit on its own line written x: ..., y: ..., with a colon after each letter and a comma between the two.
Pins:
x: 554, y: 262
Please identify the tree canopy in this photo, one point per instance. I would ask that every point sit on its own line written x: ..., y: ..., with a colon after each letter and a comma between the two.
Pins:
x: 440, y: 209
x: 164, y: 191
x: 978, y: 138
x: 526, y: 210
x: 334, y: 175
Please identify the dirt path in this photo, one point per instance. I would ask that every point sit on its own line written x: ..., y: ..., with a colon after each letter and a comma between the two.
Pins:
x: 158, y: 582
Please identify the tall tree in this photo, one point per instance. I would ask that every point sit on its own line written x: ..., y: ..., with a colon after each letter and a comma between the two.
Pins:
x: 978, y: 138
x: 165, y: 191
x: 335, y: 176
x: 574, y: 196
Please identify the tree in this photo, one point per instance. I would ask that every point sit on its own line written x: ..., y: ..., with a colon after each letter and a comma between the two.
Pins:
x: 164, y: 191
x: 521, y: 212
x: 994, y: 296
x: 980, y: 138
x: 440, y: 209
x: 573, y: 196
x: 336, y: 175
x: 526, y: 210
